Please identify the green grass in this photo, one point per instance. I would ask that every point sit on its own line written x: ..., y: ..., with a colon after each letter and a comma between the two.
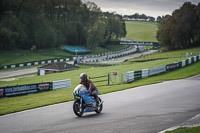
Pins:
x: 172, y: 55
x: 186, y: 130
x: 99, y: 71
x: 14, y: 104
x: 141, y: 31
x: 8, y: 57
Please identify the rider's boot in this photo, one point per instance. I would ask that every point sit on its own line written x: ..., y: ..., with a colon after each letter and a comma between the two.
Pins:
x: 97, y: 99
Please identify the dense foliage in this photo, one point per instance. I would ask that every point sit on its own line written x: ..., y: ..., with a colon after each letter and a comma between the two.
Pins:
x: 182, y: 29
x: 51, y: 23
x: 137, y: 16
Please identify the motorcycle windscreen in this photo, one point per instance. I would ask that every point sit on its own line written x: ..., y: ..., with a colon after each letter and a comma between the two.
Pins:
x: 78, y: 88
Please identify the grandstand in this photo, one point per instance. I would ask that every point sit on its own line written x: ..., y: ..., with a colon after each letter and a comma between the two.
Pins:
x: 76, y: 50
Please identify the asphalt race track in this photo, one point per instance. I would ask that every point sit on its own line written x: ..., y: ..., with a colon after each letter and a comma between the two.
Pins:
x: 146, y: 109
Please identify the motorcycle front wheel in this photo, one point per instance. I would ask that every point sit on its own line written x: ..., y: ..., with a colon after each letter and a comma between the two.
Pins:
x: 99, y: 107
x: 77, y: 109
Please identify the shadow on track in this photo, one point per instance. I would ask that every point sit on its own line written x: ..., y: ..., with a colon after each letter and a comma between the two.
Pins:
x: 91, y: 115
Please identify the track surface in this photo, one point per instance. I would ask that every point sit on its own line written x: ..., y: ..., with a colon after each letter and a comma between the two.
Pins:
x: 146, y: 109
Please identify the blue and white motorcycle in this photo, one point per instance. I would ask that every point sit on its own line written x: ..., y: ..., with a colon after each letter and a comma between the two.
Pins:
x: 84, y: 102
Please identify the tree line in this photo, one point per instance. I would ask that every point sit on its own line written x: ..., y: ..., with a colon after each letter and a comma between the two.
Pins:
x: 137, y: 16
x: 52, y: 23
x: 181, y: 29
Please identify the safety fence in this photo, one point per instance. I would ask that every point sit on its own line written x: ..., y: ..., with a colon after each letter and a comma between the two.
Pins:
x: 132, y: 43
x: 88, y: 59
x: 35, y: 63
x: 112, y: 78
x: 100, y: 65
x: 100, y: 80
x: 108, y: 53
x: 61, y: 59
x: 34, y: 88
x: 136, y: 75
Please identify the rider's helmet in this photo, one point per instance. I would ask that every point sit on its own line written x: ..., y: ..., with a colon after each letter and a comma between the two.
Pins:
x: 83, y: 76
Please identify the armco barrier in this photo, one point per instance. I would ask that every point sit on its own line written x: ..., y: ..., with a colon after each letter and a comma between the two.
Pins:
x: 157, y: 70
x: 129, y: 76
x: 61, y: 60
x: 183, y: 63
x: 145, y: 73
x: 137, y: 75
x: 195, y: 58
x: 171, y: 67
x: 34, y: 63
x: 61, y: 84
x: 189, y: 61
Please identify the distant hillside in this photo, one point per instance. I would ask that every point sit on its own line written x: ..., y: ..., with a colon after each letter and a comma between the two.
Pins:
x: 141, y: 31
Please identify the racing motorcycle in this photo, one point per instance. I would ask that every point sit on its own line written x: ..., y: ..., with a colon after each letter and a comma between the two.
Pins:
x: 85, y: 102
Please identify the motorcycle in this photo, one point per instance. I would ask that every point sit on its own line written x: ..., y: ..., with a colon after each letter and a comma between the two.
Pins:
x: 84, y: 102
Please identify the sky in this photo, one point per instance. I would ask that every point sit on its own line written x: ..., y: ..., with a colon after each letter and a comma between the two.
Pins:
x: 152, y: 8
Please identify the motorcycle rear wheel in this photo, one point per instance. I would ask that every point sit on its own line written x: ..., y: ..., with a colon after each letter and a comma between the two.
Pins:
x: 99, y: 108
x: 76, y: 107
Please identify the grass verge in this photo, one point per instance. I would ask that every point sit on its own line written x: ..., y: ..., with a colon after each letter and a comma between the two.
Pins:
x: 186, y: 130
x: 16, y: 104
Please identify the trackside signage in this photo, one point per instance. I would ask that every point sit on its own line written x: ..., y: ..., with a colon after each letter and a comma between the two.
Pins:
x: 19, y: 90
x: 172, y: 66
x: 34, y: 88
x: 44, y: 87
x: 132, y: 76
x: 1, y: 92
x: 25, y: 89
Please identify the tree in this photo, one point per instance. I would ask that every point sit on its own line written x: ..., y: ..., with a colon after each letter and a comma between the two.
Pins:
x: 96, y: 34
x: 163, y: 32
x: 197, y: 25
x: 159, y: 19
x: 179, y: 30
x: 114, y: 28
x: 52, y: 23
x: 151, y: 19
x: 12, y: 32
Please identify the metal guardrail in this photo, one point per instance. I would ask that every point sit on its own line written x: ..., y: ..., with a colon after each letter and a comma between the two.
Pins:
x: 35, y: 63
x: 61, y: 84
x: 136, y: 75
x: 32, y: 63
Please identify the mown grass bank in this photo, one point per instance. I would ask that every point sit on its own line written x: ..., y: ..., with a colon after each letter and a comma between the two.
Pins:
x: 15, y: 104
x: 141, y: 31
x: 170, y: 57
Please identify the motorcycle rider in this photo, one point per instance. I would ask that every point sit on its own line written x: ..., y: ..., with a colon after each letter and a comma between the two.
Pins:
x: 89, y: 85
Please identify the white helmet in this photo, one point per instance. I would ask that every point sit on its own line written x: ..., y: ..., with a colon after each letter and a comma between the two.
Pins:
x: 83, y: 76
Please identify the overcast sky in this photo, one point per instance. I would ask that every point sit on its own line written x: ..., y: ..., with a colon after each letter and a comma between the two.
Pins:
x: 148, y: 7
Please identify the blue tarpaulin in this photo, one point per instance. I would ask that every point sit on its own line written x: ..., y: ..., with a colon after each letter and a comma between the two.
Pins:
x: 76, y: 50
